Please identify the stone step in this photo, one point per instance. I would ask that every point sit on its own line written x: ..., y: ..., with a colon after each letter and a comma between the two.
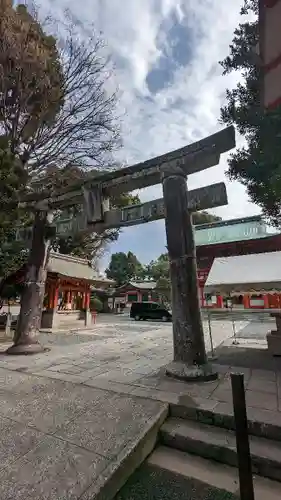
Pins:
x: 122, y: 466
x: 220, y: 445
x: 261, y: 423
x: 157, y: 479
x: 69, y: 320
x: 69, y: 323
x: 221, y: 480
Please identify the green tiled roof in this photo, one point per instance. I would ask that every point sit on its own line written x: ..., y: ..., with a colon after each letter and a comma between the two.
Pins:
x: 227, y: 231
x: 143, y: 285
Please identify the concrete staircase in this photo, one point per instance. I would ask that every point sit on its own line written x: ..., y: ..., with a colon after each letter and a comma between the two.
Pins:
x: 196, y: 459
x: 185, y: 437
x: 218, y: 444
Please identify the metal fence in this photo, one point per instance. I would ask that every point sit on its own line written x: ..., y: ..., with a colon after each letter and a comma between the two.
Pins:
x: 251, y: 325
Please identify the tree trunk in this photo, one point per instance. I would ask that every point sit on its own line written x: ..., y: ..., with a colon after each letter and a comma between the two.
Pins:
x: 32, y: 298
x: 190, y: 360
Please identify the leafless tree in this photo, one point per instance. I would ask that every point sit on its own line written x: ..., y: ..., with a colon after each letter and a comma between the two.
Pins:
x: 55, y: 110
x: 55, y: 105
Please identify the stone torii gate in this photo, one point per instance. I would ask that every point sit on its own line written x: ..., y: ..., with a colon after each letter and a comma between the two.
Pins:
x: 190, y: 360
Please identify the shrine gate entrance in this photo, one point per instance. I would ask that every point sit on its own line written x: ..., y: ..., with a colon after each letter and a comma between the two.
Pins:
x: 190, y: 360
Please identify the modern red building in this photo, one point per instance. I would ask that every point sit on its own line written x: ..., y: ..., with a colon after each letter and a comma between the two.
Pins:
x: 244, y: 236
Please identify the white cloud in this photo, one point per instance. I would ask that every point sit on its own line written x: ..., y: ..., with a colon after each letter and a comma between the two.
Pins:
x: 187, y: 109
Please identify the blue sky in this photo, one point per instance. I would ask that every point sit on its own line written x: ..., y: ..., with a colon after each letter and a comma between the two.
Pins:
x: 166, y: 55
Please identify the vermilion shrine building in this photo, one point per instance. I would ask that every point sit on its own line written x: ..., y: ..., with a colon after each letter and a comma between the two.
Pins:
x: 69, y: 283
x: 68, y: 290
x: 244, y: 236
x: 135, y: 291
x: 248, y: 235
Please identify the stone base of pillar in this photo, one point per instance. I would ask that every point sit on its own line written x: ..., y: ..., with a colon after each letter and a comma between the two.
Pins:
x: 49, y: 319
x: 30, y: 346
x: 8, y: 325
x: 274, y: 337
x: 274, y: 343
x: 191, y: 373
x: 88, y: 318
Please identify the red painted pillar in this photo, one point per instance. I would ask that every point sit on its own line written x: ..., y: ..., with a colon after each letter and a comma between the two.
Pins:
x: 51, y: 296
x: 219, y: 302
x: 266, y: 301
x: 87, y: 301
x: 201, y: 295
x: 48, y: 292
x: 246, y: 301
x: 56, y: 298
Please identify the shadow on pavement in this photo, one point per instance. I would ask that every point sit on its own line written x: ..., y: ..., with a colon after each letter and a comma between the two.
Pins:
x: 153, y: 483
x: 247, y: 357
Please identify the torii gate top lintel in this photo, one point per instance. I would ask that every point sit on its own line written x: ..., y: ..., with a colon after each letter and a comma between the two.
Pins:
x: 193, y: 158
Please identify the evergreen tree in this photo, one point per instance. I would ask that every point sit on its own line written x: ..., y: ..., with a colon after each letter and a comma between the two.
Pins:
x: 258, y: 164
x: 124, y: 267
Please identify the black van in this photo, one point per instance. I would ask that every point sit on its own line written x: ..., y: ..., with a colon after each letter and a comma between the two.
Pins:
x: 149, y: 310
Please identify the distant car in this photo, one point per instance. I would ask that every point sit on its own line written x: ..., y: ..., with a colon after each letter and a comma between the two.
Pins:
x: 149, y: 310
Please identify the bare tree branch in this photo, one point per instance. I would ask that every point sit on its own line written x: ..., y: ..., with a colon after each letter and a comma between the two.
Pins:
x: 54, y: 100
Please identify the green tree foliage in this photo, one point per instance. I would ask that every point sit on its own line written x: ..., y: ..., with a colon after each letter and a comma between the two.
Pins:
x: 159, y: 268
x: 256, y: 165
x: 135, y: 268
x: 13, y: 255
x: 96, y: 304
x: 159, y: 271
x: 124, y: 267
x: 31, y: 80
x: 12, y: 177
x: 163, y: 290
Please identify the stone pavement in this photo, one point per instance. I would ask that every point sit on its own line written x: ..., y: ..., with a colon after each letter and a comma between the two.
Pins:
x: 60, y: 440
x: 257, y: 329
x: 71, y: 416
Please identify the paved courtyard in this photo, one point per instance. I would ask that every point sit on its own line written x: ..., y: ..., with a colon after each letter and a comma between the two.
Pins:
x: 256, y: 329
x: 70, y: 416
x: 124, y: 337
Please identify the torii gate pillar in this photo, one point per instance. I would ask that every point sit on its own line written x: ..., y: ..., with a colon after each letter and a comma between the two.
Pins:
x: 190, y: 359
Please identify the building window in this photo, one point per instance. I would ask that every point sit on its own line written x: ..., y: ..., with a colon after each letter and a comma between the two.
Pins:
x: 132, y: 297
x: 257, y: 301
